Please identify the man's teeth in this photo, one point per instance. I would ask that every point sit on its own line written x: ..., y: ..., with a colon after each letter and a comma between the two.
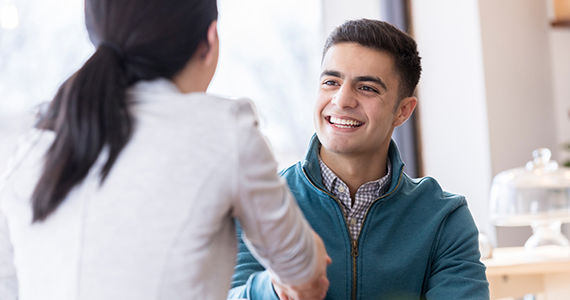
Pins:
x: 343, y: 123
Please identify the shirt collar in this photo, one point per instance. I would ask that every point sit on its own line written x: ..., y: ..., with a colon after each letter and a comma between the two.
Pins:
x: 377, y: 187
x: 311, y: 168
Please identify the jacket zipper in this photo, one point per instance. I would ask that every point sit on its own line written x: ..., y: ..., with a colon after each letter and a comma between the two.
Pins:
x: 354, y: 250
x: 355, y: 242
x: 354, y: 254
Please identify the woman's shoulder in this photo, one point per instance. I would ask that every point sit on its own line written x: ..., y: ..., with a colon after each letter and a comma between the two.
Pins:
x: 220, y: 108
x: 24, y: 164
x: 162, y: 95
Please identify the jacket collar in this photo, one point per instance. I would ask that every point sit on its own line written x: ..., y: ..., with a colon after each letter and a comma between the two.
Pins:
x: 156, y: 90
x: 311, y: 164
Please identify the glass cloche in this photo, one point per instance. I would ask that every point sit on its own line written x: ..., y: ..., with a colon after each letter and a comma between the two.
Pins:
x: 537, y: 195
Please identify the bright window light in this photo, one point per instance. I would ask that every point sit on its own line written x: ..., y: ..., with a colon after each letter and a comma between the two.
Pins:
x: 270, y: 52
x: 9, y: 16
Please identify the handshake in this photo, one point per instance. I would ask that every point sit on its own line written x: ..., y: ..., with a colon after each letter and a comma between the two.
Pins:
x: 316, y: 288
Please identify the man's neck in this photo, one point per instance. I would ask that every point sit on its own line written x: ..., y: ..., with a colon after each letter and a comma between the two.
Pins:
x: 356, y: 170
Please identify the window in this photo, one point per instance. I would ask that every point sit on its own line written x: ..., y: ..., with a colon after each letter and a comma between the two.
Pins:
x: 270, y: 53
x: 43, y: 42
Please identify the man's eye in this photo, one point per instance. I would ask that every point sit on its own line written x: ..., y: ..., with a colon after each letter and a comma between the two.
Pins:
x: 329, y: 82
x: 369, y: 89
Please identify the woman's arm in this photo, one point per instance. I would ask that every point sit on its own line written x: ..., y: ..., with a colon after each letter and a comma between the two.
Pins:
x: 274, y: 227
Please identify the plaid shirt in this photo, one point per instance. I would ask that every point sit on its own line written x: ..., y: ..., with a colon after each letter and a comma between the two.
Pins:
x: 365, y: 195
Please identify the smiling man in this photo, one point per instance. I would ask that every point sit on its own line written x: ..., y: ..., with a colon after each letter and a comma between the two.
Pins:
x: 389, y: 236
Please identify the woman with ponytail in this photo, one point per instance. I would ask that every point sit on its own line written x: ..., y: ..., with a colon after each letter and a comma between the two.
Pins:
x: 129, y: 186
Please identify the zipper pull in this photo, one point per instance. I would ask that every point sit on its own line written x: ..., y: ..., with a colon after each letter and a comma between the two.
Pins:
x: 354, y: 248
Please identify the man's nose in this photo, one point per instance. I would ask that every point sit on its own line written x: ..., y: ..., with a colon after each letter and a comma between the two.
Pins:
x: 344, y: 98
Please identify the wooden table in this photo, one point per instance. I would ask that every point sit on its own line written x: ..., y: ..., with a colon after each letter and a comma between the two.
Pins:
x: 515, y: 272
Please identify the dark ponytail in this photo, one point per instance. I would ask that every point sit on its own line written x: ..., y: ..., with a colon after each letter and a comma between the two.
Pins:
x: 137, y: 40
x: 88, y: 113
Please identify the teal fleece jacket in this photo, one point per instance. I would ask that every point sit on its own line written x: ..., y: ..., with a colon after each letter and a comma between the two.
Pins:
x: 416, y: 242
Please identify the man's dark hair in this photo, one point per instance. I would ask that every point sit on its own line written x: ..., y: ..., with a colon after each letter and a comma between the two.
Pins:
x: 384, y: 37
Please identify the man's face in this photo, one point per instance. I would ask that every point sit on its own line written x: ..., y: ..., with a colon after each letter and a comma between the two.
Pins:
x: 354, y: 113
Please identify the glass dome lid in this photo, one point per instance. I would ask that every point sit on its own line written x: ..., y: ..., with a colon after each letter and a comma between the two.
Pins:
x: 536, y: 195
x: 539, y: 191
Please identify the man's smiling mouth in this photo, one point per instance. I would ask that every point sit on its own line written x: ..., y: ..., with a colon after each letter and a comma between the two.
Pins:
x: 343, y: 123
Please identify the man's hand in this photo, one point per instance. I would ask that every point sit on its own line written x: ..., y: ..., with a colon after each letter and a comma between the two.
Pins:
x: 317, y: 287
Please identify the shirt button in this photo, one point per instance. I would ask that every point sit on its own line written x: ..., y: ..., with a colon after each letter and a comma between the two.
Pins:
x: 340, y: 188
x: 352, y: 221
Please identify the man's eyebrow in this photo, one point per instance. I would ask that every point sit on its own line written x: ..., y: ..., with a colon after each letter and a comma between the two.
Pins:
x: 331, y: 73
x: 372, y: 79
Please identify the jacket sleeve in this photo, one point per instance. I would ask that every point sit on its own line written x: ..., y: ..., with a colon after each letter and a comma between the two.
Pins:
x: 250, y: 279
x: 8, y: 275
x: 456, y: 269
x: 8, y: 281
x: 274, y: 228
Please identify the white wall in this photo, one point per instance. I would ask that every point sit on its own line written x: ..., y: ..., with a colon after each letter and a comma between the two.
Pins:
x: 452, y: 106
x: 494, y: 88
x: 518, y: 80
x: 560, y: 61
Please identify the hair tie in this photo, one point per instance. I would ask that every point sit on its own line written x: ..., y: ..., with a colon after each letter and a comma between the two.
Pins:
x: 114, y: 47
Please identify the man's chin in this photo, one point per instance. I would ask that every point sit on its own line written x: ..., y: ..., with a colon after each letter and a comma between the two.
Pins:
x: 342, y: 147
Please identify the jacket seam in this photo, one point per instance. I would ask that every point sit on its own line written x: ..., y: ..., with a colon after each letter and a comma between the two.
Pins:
x: 435, y: 246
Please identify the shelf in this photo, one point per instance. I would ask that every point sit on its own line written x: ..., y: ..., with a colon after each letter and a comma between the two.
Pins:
x: 560, y: 23
x: 515, y: 272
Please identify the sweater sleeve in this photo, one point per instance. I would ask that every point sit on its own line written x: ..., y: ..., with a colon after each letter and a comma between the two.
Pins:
x: 8, y: 280
x: 250, y: 279
x: 456, y: 269
x: 274, y: 228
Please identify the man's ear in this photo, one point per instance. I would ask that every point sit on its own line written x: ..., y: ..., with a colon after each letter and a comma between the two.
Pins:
x: 405, y: 110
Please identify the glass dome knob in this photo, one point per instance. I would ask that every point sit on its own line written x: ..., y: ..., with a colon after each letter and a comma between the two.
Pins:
x: 541, y: 160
